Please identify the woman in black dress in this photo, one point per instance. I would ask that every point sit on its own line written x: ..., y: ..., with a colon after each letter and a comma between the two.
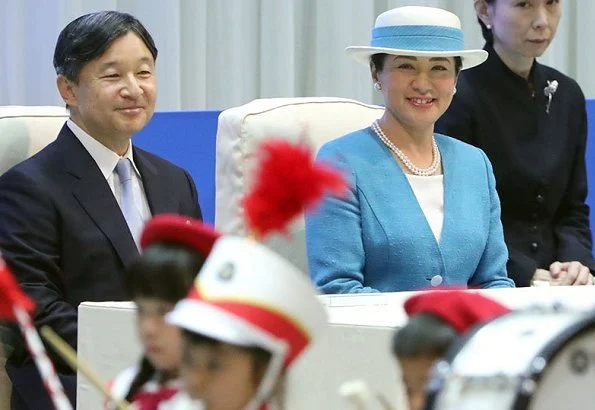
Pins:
x: 531, y: 122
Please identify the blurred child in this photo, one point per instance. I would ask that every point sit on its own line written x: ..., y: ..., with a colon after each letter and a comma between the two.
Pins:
x: 436, y: 319
x: 173, y: 251
x: 248, y: 317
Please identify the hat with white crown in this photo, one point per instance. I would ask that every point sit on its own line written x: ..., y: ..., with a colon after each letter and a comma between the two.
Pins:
x: 248, y: 295
x: 419, y: 32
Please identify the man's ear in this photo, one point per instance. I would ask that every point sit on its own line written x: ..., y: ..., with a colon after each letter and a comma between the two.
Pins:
x: 481, y: 9
x: 66, y: 88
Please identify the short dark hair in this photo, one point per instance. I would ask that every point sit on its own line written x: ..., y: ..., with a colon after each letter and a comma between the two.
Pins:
x: 88, y: 37
x: 378, y: 61
x: 423, y: 335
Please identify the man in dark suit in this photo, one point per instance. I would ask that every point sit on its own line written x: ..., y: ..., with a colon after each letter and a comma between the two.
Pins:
x: 70, y: 215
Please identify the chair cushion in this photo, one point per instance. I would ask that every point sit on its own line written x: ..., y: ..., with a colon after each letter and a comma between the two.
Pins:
x: 314, y: 120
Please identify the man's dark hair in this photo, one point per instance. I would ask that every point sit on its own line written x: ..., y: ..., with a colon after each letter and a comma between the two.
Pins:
x: 89, y: 36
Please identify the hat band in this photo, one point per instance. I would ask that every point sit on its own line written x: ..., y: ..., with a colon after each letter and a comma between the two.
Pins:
x: 273, y: 322
x: 418, y: 38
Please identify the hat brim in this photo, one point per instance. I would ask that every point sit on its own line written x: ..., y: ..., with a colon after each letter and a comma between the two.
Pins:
x: 470, y: 58
x: 205, y: 319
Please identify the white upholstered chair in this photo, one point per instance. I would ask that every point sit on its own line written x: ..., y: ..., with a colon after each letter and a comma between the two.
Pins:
x: 26, y: 130
x: 241, y: 129
x: 23, y: 132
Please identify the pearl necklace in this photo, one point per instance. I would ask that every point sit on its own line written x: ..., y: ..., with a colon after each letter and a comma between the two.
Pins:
x: 422, y: 172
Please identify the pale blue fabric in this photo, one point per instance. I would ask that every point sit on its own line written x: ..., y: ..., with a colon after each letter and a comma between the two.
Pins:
x: 128, y: 204
x: 377, y: 238
x: 418, y: 38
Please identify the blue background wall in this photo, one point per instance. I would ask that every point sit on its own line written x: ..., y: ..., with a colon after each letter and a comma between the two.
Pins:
x: 187, y: 138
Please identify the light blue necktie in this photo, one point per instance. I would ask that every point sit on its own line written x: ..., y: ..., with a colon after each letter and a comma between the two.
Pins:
x: 129, y: 209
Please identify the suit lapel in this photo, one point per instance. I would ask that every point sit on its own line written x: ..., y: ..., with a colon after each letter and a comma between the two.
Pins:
x: 95, y: 196
x: 155, y: 186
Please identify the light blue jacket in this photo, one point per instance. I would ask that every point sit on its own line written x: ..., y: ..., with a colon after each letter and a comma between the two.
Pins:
x: 377, y: 238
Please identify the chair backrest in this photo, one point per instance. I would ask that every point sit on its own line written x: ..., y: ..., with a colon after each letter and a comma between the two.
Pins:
x: 26, y: 130
x: 23, y: 132
x: 241, y: 129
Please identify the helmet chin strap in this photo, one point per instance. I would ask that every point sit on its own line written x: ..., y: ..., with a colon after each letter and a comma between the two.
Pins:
x: 271, y: 376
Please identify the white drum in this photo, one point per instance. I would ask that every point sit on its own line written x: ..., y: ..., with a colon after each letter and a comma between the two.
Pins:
x: 529, y: 359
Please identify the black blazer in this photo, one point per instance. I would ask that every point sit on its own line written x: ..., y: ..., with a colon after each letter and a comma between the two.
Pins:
x: 538, y: 159
x: 64, y: 235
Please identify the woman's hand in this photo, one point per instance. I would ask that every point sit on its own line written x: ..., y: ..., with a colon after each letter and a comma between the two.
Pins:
x: 543, y: 277
x: 570, y: 273
x: 563, y: 274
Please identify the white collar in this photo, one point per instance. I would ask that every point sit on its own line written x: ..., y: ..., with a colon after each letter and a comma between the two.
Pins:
x: 105, y: 158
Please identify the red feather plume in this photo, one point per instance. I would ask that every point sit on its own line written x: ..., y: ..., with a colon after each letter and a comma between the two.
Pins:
x: 287, y: 183
x: 11, y: 294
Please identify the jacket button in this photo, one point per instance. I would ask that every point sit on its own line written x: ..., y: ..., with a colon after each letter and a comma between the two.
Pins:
x: 533, y: 228
x: 534, y: 246
x: 539, y: 198
x: 436, y: 280
x: 534, y: 215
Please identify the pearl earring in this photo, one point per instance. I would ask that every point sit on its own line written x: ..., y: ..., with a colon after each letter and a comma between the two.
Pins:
x: 377, y: 86
x: 454, y: 91
x: 489, y: 26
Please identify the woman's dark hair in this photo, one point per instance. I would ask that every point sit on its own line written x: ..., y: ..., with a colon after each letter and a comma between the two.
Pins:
x: 423, y: 335
x: 260, y: 356
x: 485, y: 32
x: 88, y: 37
x: 378, y: 61
x: 166, y: 271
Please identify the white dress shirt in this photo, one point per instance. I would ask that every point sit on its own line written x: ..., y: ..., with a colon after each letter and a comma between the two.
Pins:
x: 106, y: 160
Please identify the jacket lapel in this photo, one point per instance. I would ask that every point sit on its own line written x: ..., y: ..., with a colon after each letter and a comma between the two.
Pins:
x: 395, y: 206
x: 95, y: 196
x: 389, y: 172
x: 155, y: 186
x: 454, y: 205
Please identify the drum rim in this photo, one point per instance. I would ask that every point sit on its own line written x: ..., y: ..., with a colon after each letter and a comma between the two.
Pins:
x: 548, y: 353
x: 448, y: 357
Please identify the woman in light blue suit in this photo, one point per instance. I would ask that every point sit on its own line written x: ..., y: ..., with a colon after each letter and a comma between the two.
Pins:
x: 422, y: 209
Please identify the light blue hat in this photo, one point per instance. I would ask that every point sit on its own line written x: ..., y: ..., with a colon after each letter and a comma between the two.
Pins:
x: 419, y: 32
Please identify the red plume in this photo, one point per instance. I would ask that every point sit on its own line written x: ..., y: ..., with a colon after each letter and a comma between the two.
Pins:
x: 11, y: 294
x: 287, y: 182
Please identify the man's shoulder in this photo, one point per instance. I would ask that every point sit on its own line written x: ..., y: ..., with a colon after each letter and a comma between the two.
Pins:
x: 149, y: 158
x: 50, y: 157
x: 38, y: 165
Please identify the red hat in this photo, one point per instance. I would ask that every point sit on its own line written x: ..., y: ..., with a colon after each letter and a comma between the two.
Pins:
x: 180, y: 229
x: 461, y: 309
